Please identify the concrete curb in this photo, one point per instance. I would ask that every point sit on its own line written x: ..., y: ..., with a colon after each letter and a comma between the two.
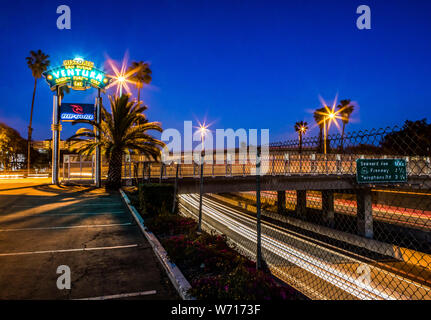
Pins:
x: 174, y: 273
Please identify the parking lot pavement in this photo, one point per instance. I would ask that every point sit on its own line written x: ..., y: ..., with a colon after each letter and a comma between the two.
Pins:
x: 89, y: 230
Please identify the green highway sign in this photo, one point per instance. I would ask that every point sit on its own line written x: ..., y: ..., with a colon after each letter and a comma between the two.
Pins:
x: 381, y: 170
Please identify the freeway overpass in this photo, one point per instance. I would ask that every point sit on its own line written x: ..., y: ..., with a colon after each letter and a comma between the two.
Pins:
x: 281, y: 171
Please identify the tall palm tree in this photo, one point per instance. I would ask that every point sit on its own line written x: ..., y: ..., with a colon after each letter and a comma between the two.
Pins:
x: 63, y: 90
x: 123, y: 130
x: 318, y: 117
x: 301, y: 128
x: 141, y: 76
x: 38, y: 63
x: 346, y: 109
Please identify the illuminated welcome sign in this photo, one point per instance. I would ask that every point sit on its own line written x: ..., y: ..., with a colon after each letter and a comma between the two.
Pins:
x: 77, y: 74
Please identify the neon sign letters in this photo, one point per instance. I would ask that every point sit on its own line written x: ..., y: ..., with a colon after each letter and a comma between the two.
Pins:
x: 77, y: 74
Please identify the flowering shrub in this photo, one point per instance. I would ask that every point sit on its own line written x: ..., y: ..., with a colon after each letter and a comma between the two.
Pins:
x: 210, y: 253
x: 243, y: 283
x: 215, y: 269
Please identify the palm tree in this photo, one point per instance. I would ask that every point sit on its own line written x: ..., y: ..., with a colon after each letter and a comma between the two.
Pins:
x: 301, y: 128
x: 38, y: 63
x: 319, y: 117
x: 124, y: 130
x: 63, y: 91
x: 345, y: 109
x: 141, y: 75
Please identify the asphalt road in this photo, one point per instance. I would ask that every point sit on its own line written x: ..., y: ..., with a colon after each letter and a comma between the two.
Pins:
x: 89, y: 230
x: 395, y: 214
x: 313, y: 267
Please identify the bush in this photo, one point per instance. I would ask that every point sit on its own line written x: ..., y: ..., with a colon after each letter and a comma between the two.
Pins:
x: 243, y: 283
x: 210, y: 253
x: 166, y: 224
x: 155, y: 198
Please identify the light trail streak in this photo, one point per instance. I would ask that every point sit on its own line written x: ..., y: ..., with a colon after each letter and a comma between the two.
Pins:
x: 318, y: 267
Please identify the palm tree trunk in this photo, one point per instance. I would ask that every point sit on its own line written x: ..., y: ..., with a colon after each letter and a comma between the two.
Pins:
x: 321, y: 140
x: 114, y: 171
x: 30, y: 129
x: 342, y: 137
x: 300, y: 142
x: 139, y: 93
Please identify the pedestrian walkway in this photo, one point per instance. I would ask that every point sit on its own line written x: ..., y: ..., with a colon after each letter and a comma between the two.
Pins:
x: 89, y: 230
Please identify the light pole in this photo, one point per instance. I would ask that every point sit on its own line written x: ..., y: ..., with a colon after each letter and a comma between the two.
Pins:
x: 258, y: 213
x: 203, y: 129
x: 330, y: 116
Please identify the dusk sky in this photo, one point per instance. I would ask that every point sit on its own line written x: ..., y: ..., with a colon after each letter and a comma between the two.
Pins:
x: 239, y: 64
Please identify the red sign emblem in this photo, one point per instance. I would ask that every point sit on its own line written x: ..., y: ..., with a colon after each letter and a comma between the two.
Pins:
x: 77, y: 109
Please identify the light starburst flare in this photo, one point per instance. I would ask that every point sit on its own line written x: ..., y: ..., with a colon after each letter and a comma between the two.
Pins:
x: 121, y: 77
x: 330, y: 115
x: 203, y: 130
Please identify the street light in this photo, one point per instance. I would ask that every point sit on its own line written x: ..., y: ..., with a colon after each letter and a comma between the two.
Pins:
x: 329, y: 115
x: 121, y: 77
x: 203, y: 129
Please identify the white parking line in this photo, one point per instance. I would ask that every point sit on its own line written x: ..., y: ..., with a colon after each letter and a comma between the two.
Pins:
x: 70, y: 227
x: 122, y: 295
x: 73, y: 205
x: 37, y: 215
x: 67, y: 250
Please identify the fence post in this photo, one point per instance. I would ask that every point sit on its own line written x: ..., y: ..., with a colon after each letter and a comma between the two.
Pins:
x: 175, y: 188
x: 149, y: 171
x: 326, y: 164
x: 258, y: 214
x: 286, y: 164
x: 313, y: 163
x: 338, y: 164
x: 144, y: 169
x: 162, y: 166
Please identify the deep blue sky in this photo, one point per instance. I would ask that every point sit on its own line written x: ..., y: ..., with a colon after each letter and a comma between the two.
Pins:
x: 243, y: 64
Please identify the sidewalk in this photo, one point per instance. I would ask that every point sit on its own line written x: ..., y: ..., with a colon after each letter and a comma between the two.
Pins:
x: 87, y: 229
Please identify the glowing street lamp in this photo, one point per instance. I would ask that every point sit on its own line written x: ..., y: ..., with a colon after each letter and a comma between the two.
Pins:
x: 330, y: 116
x: 203, y: 129
x: 121, y: 77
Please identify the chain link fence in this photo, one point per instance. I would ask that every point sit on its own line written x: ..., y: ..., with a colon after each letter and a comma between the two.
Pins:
x: 323, y: 232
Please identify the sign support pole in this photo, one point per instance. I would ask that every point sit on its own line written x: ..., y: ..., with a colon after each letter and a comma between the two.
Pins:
x: 55, y: 135
x: 98, y: 153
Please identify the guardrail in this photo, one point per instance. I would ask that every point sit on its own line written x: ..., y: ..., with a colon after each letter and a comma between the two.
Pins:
x: 275, y: 164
